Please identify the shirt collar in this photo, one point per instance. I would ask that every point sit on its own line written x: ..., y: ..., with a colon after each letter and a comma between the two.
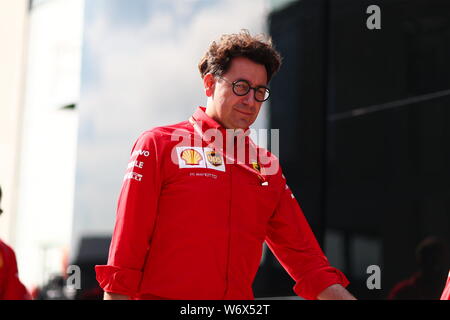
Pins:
x: 206, y: 122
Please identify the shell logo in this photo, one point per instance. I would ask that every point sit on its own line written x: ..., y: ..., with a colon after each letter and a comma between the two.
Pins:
x: 214, y: 158
x: 191, y: 157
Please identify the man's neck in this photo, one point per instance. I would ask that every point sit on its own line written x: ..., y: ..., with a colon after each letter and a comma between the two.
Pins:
x: 210, y: 112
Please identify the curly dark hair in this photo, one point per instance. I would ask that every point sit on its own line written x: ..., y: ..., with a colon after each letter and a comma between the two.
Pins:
x: 258, y: 48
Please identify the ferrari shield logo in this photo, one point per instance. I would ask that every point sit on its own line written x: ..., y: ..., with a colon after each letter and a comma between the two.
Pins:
x: 256, y: 166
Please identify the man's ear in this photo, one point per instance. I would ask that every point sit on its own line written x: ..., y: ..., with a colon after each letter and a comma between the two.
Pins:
x: 209, y: 83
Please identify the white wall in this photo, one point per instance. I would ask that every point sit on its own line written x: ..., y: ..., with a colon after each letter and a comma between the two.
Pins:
x: 13, y: 32
x: 49, y: 135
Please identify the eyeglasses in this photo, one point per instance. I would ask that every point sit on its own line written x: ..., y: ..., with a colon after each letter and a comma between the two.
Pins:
x: 242, y: 87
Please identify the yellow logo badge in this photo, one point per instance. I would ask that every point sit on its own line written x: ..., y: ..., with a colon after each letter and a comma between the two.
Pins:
x: 256, y: 166
x: 191, y: 157
x: 214, y: 158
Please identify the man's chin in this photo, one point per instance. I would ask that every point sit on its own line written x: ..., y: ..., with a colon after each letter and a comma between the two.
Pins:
x: 242, y: 124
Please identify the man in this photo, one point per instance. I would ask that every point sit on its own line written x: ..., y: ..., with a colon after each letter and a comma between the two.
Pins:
x: 193, y: 214
x: 10, y: 286
x: 432, y: 256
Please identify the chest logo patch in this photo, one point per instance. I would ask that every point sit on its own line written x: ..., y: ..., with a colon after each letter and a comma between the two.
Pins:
x: 191, y: 157
x: 214, y: 158
x: 197, y: 157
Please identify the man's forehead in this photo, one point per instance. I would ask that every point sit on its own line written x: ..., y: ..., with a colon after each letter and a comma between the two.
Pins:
x: 242, y: 68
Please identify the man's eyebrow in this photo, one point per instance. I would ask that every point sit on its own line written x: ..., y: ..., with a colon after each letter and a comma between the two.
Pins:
x: 257, y: 86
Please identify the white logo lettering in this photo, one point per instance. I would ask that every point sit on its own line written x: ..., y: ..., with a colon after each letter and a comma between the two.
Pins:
x: 74, y: 280
x: 145, y: 153
x: 374, y: 281
x: 271, y: 164
x: 137, y: 164
x: 134, y: 176
x: 374, y: 21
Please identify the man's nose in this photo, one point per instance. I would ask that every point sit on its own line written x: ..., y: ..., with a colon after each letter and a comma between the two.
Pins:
x: 249, y: 98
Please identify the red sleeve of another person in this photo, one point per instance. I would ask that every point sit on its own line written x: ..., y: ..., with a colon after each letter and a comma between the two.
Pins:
x: 10, y: 286
x: 446, y: 292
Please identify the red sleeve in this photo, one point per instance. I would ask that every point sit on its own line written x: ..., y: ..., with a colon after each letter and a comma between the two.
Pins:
x: 12, y: 288
x: 446, y: 293
x: 136, y: 212
x: 293, y: 243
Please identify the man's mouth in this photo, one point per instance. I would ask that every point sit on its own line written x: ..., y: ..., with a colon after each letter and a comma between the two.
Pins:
x: 245, y: 113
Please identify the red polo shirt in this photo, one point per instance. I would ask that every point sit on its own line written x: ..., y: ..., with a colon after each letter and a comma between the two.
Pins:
x: 10, y: 286
x: 191, y: 225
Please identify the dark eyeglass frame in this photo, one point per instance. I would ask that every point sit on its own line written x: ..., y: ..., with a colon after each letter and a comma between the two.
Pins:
x: 255, y: 89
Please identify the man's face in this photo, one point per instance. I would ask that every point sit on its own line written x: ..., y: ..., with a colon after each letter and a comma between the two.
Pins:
x: 227, y: 108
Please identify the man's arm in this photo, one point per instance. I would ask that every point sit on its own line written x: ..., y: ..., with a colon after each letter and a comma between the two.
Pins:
x: 135, y: 217
x: 335, y: 292
x: 115, y: 296
x: 292, y: 241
